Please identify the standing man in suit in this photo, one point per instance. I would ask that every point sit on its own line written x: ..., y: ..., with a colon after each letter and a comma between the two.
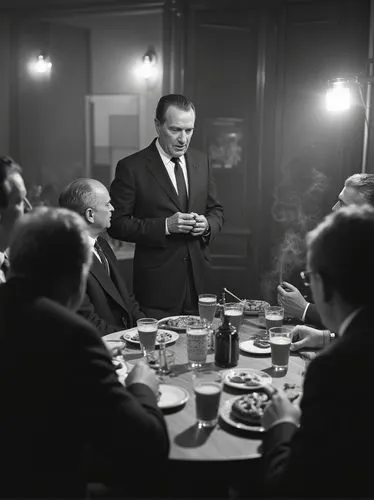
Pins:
x: 326, y: 449
x: 13, y: 204
x: 358, y: 189
x: 58, y: 387
x: 107, y: 303
x: 165, y: 201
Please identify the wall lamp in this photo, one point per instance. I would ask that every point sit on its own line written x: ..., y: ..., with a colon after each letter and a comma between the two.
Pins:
x: 148, y: 69
x: 41, y: 64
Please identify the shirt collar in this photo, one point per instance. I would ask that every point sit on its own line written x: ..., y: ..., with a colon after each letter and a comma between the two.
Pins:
x: 348, y: 320
x: 91, y: 241
x: 2, y: 257
x: 166, y: 159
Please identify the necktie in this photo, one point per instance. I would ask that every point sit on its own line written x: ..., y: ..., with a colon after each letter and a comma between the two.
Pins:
x: 181, y: 184
x: 102, y: 256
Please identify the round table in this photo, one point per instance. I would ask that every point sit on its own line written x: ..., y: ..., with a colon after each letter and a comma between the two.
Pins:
x: 223, y: 442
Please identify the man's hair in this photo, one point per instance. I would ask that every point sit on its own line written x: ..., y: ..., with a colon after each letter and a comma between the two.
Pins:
x: 78, y: 196
x: 50, y: 244
x: 177, y: 100
x: 7, y: 168
x: 364, y: 184
x: 342, y: 252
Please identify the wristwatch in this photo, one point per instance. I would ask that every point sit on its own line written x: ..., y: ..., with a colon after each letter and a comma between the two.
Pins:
x: 332, y: 337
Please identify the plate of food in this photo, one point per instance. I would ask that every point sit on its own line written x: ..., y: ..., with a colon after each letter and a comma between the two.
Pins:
x: 171, y: 396
x: 246, y: 378
x: 254, y: 307
x: 245, y: 412
x: 132, y: 336
x: 178, y: 323
x: 256, y: 346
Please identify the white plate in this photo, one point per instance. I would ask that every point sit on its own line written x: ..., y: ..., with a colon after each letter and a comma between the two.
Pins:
x: 248, y: 346
x: 171, y: 396
x: 133, y: 332
x: 225, y: 414
x: 263, y: 378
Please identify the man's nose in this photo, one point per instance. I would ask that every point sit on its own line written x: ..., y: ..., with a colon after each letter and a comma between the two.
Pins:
x: 182, y: 137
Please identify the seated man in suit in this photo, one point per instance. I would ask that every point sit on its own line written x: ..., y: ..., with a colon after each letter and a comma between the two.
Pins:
x: 59, y: 390
x: 358, y: 189
x: 325, y: 448
x: 107, y: 303
x: 13, y: 203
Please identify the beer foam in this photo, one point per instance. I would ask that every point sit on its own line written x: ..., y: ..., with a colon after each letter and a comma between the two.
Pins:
x: 208, y: 388
x: 208, y: 300
x: 280, y: 340
x: 233, y: 312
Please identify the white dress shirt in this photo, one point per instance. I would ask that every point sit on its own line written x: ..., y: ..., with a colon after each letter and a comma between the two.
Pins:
x: 169, y: 165
x: 2, y: 275
x: 92, y: 242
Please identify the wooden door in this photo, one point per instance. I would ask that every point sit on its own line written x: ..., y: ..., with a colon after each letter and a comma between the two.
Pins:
x: 220, y: 77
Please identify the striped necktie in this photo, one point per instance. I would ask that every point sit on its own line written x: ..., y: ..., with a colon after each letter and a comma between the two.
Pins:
x: 102, y: 256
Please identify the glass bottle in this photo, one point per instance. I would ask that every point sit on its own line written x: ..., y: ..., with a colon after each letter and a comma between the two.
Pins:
x: 227, y: 345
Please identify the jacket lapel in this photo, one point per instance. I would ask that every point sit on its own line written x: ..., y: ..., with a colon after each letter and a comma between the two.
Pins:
x: 98, y: 271
x: 157, y: 169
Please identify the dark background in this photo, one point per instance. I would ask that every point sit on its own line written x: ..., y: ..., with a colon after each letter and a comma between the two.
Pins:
x: 260, y: 65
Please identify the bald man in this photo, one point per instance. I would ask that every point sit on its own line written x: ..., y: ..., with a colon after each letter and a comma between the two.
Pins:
x: 107, y: 303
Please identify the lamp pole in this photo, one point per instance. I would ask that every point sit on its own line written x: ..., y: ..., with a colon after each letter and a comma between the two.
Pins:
x: 369, y: 84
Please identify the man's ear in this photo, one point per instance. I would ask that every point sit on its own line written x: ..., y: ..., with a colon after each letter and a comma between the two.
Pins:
x: 157, y: 125
x: 89, y: 215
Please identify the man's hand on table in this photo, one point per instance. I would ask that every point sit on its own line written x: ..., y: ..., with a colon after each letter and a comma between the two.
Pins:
x: 280, y: 409
x: 307, y: 337
x: 142, y: 374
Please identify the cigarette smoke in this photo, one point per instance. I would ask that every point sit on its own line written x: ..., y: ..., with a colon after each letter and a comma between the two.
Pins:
x: 297, y: 208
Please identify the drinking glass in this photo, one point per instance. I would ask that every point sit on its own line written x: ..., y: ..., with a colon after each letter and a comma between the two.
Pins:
x: 197, y: 344
x: 273, y: 316
x: 207, y: 386
x: 207, y: 307
x: 280, y: 338
x: 147, y: 331
x: 234, y: 311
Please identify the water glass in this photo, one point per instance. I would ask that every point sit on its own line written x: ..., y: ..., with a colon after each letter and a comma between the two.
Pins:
x: 274, y: 316
x: 197, y: 344
x: 207, y: 307
x: 280, y: 338
x: 234, y: 311
x: 147, y: 331
x: 207, y: 386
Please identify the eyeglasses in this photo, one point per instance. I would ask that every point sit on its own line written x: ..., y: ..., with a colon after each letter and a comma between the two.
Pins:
x: 305, y: 276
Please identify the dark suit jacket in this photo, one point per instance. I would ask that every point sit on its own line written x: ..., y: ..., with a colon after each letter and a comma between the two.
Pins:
x: 312, y: 317
x: 331, y: 453
x: 59, y: 392
x: 107, y: 302
x: 143, y: 196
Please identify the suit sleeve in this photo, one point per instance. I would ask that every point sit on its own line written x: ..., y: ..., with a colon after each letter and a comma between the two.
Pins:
x: 312, y: 317
x: 125, y: 423
x: 214, y: 209
x: 293, y: 456
x: 124, y: 225
x: 87, y: 310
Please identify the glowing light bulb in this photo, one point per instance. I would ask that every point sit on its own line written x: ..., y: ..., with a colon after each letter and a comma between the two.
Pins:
x: 338, y: 96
